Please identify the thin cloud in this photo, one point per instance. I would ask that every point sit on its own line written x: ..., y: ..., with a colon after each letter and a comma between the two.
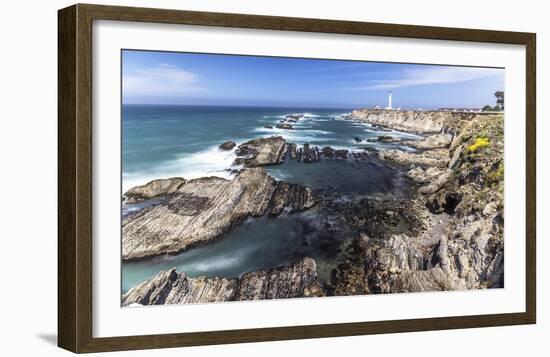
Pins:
x: 426, y: 76
x: 161, y: 80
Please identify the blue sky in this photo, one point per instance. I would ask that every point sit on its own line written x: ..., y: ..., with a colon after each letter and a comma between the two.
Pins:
x: 204, y: 79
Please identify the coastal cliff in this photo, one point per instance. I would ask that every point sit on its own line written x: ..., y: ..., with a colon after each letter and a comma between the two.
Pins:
x: 458, y: 205
x: 172, y: 287
x: 419, y: 121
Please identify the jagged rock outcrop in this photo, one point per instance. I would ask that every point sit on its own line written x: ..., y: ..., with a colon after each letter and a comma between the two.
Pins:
x: 293, y: 197
x: 172, y: 287
x: 308, y: 154
x: 261, y: 152
x: 468, y: 259
x: 205, y: 208
x: 153, y: 189
x: 297, y: 280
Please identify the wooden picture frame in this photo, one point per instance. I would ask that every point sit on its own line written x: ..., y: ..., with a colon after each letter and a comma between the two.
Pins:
x: 75, y: 177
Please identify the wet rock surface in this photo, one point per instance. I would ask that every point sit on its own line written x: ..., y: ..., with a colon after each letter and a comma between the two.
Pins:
x: 284, y: 126
x: 228, y: 145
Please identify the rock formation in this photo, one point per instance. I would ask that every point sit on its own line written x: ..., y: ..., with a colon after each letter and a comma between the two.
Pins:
x: 262, y: 152
x: 421, y: 176
x: 411, y: 120
x: 297, y: 280
x: 341, y: 154
x: 284, y: 126
x: 153, y: 189
x: 437, y: 158
x: 205, y: 208
x: 328, y: 152
x: 308, y: 154
x: 172, y: 287
x: 228, y: 145
x: 384, y: 139
x: 435, y: 141
x: 295, y: 116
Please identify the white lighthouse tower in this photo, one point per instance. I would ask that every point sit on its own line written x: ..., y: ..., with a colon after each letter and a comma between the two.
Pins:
x: 389, y: 101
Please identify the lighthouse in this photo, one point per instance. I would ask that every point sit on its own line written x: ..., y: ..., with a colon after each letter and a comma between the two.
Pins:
x: 389, y: 101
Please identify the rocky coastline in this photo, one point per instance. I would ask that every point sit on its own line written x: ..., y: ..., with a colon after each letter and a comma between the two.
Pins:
x: 458, y: 203
x: 448, y: 235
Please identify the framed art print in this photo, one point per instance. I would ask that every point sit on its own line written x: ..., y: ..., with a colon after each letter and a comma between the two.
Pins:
x: 233, y: 178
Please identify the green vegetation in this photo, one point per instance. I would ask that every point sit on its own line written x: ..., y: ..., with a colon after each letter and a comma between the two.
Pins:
x: 500, y: 99
x: 480, y: 142
x: 499, y: 95
x: 496, y: 176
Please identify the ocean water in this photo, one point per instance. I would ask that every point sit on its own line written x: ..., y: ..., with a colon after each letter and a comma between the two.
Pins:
x: 167, y: 141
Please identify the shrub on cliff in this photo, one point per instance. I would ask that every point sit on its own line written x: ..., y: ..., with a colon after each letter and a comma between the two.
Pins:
x: 480, y: 143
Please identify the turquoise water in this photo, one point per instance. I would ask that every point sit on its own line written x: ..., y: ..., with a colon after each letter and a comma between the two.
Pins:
x: 166, y: 141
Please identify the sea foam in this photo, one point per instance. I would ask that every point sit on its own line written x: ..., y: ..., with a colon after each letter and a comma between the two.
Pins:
x: 209, y: 162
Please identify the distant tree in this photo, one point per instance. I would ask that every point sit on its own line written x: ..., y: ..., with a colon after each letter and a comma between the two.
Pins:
x: 487, y: 108
x: 499, y: 95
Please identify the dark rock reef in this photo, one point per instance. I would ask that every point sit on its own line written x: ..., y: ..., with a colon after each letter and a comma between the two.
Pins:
x: 308, y: 154
x: 284, y: 126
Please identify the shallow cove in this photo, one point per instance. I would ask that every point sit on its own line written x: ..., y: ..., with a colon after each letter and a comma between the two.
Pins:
x: 267, y: 242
